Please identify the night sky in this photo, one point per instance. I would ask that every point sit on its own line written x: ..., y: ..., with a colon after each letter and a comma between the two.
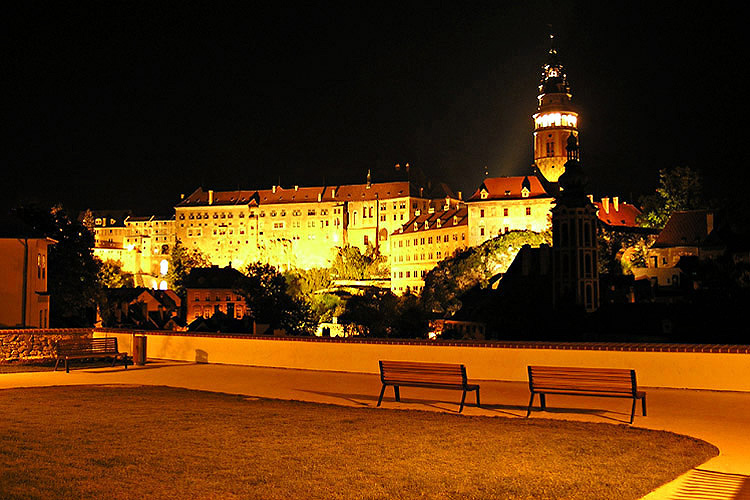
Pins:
x: 127, y: 104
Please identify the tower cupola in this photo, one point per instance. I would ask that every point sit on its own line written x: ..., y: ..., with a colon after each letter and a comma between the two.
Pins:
x: 555, y: 119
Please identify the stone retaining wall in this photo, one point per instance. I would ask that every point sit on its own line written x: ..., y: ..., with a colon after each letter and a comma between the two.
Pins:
x: 35, y: 344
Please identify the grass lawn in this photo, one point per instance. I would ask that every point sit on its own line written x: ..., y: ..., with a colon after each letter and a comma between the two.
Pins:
x: 158, y: 442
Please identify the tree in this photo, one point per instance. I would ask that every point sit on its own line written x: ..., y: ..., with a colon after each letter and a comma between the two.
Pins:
x: 265, y: 292
x: 680, y: 188
x: 351, y: 264
x: 306, y: 285
x: 183, y: 260
x: 380, y: 314
x: 73, y: 278
x: 112, y: 276
x: 454, y: 276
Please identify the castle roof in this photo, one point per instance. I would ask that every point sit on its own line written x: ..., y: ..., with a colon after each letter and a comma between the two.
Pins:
x: 509, y: 188
x: 213, y: 277
x: 617, y: 214
x: 437, y: 220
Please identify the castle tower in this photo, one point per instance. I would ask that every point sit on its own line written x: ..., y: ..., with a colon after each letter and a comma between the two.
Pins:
x: 555, y: 119
x: 574, y: 252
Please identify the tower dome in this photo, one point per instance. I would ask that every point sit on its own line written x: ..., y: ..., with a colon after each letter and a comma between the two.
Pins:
x: 556, y: 118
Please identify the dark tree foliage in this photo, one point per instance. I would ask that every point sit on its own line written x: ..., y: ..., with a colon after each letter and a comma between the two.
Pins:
x: 306, y: 285
x: 112, y: 276
x: 351, y: 264
x: 381, y: 314
x: 73, y: 276
x: 265, y: 292
x: 182, y: 261
x: 455, y: 275
x: 680, y: 188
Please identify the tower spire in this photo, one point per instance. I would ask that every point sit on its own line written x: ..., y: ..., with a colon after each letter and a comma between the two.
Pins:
x: 555, y: 119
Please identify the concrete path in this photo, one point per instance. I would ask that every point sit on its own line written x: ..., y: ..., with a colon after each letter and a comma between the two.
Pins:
x: 721, y: 418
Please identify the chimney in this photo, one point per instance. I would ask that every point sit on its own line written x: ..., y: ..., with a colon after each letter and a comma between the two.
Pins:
x: 296, y: 187
x: 273, y: 189
x: 605, y: 205
x: 333, y: 192
x: 182, y: 196
x: 709, y: 222
x: 616, y: 203
x: 210, y: 196
x: 320, y: 197
x: 459, y: 196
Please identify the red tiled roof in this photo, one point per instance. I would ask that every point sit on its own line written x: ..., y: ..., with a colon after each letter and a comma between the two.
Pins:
x: 509, y: 188
x: 689, y: 228
x: 347, y: 192
x: 448, y: 218
x: 625, y: 214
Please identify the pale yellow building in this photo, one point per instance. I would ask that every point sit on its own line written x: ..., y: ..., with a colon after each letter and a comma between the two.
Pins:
x: 24, y: 300
x: 141, y: 245
x: 503, y: 204
x: 298, y: 227
x: 425, y: 240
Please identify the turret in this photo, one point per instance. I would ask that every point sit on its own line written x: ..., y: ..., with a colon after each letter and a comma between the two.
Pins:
x: 555, y: 119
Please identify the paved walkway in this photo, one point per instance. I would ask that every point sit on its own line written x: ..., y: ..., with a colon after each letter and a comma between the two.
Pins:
x: 721, y: 418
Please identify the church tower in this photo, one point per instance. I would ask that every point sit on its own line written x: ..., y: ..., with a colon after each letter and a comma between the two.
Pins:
x: 575, y: 274
x: 555, y: 119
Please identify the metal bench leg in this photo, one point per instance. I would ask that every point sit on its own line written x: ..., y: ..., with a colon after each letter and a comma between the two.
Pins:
x: 397, y: 393
x: 543, y: 401
x: 644, y: 405
x: 632, y: 411
x: 67, y: 369
x: 463, y: 398
x: 382, y: 391
x: 57, y: 363
x: 478, y: 405
x: 531, y: 402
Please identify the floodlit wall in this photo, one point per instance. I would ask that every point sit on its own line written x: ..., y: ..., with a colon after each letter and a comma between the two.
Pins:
x: 696, y: 367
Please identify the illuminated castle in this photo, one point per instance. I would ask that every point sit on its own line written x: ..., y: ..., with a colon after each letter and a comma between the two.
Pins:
x: 555, y: 119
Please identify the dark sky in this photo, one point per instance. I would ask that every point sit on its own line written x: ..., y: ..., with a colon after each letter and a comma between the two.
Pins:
x: 127, y: 104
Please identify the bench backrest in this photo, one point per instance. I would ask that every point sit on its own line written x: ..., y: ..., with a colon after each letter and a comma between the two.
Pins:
x: 426, y: 373
x: 611, y: 380
x: 87, y: 346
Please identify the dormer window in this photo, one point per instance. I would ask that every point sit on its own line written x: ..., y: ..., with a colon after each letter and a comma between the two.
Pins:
x: 507, y: 192
x: 525, y: 192
x: 438, y: 223
x: 484, y: 194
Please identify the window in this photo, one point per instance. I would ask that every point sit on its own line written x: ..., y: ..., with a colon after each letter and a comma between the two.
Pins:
x: 528, y: 210
x: 481, y: 231
x: 505, y: 212
x: 481, y: 213
x: 550, y: 148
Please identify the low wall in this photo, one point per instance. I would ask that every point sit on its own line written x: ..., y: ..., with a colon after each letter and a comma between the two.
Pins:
x: 657, y: 365
x: 33, y: 344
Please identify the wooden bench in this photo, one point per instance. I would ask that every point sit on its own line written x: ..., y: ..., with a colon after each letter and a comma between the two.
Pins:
x: 605, y: 382
x: 86, y: 348
x: 433, y: 375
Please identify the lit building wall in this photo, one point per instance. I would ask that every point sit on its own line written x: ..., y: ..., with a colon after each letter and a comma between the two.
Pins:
x: 503, y: 204
x: 424, y: 241
x: 24, y: 301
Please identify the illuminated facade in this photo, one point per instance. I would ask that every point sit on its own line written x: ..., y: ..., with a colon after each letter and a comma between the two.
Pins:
x: 424, y: 241
x: 212, y: 290
x: 554, y: 121
x: 299, y: 227
x: 503, y: 204
x: 24, y: 301
x: 141, y: 245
